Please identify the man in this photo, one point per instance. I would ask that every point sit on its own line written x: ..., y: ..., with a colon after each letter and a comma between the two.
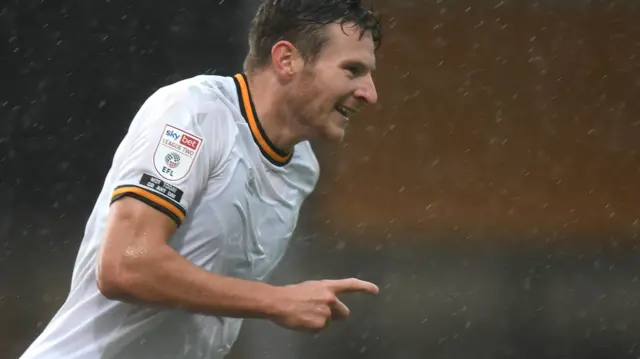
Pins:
x: 204, y: 193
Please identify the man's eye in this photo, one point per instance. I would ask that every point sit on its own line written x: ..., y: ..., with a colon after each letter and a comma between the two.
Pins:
x: 353, y: 70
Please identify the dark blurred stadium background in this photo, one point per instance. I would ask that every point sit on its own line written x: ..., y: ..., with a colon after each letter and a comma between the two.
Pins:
x: 492, y: 193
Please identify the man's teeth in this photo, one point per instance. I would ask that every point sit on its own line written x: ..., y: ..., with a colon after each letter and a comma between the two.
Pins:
x: 343, y: 111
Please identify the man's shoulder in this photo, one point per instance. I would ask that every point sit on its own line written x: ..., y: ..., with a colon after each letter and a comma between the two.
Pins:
x: 203, y: 100
x: 208, y: 92
x: 194, y: 109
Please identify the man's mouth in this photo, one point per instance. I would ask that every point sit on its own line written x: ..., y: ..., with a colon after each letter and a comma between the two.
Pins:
x: 345, y: 111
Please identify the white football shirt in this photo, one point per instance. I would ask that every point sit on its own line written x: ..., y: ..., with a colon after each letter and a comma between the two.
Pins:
x: 196, y: 152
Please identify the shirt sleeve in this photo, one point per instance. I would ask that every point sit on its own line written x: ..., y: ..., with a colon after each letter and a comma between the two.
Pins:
x: 168, y: 154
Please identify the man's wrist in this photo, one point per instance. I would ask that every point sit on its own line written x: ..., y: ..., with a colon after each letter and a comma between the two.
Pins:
x: 270, y: 301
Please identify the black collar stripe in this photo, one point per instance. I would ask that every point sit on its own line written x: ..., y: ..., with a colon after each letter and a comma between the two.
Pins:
x: 268, y: 149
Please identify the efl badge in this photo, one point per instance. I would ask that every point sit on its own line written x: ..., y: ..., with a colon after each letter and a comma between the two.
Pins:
x: 176, y: 153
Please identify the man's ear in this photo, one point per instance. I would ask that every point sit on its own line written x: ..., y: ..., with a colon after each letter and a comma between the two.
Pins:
x: 286, y: 59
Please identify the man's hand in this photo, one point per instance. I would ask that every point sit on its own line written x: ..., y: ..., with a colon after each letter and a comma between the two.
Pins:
x: 308, y: 305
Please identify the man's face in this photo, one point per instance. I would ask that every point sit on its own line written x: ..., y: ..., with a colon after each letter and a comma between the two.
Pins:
x: 337, y: 84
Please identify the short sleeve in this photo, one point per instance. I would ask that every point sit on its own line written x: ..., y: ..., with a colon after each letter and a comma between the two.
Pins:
x: 168, y: 154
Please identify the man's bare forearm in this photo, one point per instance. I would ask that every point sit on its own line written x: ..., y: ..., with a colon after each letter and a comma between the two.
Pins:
x: 161, y: 277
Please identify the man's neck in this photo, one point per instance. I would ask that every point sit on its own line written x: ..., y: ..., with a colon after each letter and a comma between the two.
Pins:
x: 267, y: 96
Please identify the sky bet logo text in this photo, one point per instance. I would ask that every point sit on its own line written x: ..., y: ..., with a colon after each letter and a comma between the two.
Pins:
x: 172, y: 134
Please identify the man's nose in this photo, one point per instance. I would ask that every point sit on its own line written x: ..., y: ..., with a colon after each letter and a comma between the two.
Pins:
x: 367, y: 91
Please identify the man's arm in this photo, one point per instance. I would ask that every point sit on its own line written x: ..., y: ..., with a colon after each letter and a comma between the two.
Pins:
x: 137, y: 265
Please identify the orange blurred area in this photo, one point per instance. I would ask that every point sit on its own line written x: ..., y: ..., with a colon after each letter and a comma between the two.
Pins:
x: 516, y: 118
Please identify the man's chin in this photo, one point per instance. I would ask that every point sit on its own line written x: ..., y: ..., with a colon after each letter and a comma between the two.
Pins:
x: 336, y: 134
x: 330, y: 133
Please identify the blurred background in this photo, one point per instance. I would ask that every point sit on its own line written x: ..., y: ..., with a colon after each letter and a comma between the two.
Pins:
x: 492, y: 193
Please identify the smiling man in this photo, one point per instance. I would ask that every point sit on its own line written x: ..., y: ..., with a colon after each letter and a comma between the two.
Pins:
x: 204, y: 194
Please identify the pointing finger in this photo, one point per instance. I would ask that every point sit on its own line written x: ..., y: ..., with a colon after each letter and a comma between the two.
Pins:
x: 351, y: 285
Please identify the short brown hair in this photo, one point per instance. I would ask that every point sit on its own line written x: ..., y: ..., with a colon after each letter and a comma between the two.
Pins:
x: 301, y: 22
